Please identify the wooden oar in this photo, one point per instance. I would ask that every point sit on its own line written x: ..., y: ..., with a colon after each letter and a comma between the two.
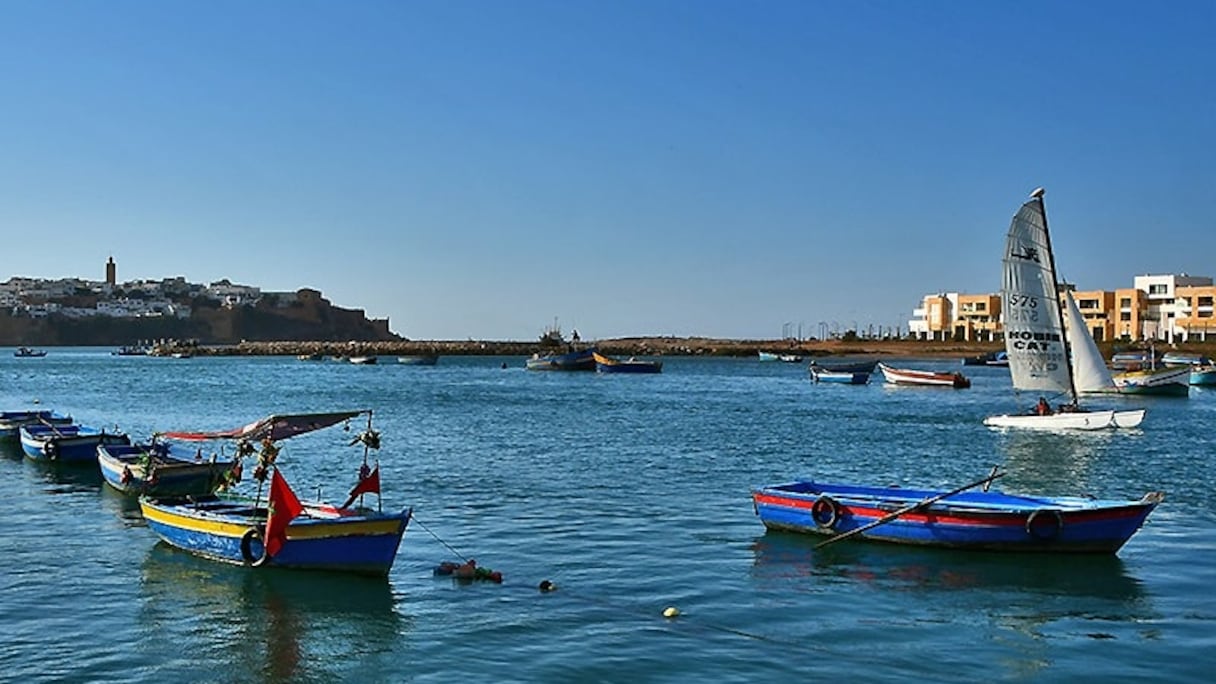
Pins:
x: 908, y: 509
x: 54, y: 428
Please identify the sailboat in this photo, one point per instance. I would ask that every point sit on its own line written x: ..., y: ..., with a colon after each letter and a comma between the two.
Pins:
x: 1035, y: 337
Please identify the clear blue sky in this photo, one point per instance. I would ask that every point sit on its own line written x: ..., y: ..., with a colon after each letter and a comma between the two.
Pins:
x: 476, y: 169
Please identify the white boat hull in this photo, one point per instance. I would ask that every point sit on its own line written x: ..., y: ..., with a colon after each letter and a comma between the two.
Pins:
x: 1080, y: 420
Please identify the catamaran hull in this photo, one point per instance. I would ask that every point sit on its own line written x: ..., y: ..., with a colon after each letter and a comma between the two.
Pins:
x: 1083, y: 420
x: 971, y: 520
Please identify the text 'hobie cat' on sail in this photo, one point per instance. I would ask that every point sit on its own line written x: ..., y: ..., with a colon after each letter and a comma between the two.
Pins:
x: 1035, y: 337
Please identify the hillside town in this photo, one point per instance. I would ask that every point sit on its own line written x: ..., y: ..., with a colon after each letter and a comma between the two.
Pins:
x: 81, y: 298
x: 79, y: 311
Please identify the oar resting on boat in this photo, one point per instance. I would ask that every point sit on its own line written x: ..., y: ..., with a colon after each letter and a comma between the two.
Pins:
x: 910, y: 508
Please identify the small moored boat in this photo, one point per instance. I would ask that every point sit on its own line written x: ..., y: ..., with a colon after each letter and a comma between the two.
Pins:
x: 1174, y: 381
x: 1184, y: 359
x: 923, y: 378
x: 1203, y: 375
x: 66, y: 443
x: 279, y: 530
x: 844, y: 366
x: 579, y: 360
x: 997, y: 358
x: 839, y: 377
x: 152, y: 469
x: 28, y: 353
x: 11, y: 421
x: 958, y: 519
x: 606, y: 364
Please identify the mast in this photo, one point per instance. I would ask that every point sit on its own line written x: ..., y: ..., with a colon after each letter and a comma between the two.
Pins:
x: 1051, y: 259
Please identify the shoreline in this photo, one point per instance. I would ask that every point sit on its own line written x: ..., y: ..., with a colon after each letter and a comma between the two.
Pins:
x: 635, y: 346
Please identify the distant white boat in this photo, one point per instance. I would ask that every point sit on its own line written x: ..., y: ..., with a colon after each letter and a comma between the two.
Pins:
x: 363, y: 360
x: 419, y: 360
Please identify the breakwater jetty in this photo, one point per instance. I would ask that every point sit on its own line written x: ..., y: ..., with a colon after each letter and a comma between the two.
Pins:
x: 626, y: 346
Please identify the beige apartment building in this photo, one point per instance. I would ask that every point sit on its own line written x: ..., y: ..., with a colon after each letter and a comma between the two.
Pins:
x: 1158, y: 307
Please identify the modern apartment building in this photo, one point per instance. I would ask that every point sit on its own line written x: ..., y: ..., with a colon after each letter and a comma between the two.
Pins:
x: 951, y: 315
x: 1171, y: 308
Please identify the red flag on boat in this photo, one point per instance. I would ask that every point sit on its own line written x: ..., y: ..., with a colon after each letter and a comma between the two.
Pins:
x: 366, y: 485
x: 284, y: 507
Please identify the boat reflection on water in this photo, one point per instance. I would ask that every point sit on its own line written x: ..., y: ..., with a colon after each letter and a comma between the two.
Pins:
x: 11, y: 450
x: 269, y: 624
x: 780, y: 556
x: 67, y: 477
x: 1066, y: 462
x: 124, y: 506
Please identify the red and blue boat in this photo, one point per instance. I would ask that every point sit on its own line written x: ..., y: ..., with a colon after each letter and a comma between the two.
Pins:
x: 278, y: 530
x: 66, y: 443
x: 960, y: 519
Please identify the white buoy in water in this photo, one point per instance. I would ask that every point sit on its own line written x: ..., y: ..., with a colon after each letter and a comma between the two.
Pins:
x: 671, y: 611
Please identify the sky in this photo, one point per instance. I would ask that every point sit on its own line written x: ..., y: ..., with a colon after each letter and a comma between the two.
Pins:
x: 484, y: 169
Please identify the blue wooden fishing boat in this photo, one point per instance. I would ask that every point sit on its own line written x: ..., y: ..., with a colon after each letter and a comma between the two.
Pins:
x: 152, y: 469
x: 607, y: 364
x: 1203, y: 375
x: 279, y: 530
x: 819, y: 374
x: 66, y: 443
x: 843, y: 366
x: 958, y: 518
x: 578, y: 360
x: 11, y: 421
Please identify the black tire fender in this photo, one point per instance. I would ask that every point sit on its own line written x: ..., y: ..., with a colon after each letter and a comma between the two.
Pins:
x: 247, y: 547
x: 1044, y: 531
x: 825, y: 512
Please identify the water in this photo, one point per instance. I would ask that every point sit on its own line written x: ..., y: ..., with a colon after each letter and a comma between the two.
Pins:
x: 631, y: 493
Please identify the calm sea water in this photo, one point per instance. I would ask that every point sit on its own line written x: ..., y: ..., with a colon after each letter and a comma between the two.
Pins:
x: 631, y: 493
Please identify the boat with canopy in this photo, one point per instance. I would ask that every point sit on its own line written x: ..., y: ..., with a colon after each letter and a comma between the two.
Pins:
x: 278, y: 529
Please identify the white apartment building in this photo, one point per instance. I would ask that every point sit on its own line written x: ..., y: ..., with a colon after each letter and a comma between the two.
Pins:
x: 1158, y: 323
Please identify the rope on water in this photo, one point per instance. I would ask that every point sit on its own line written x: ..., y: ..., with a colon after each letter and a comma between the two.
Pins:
x: 414, y: 518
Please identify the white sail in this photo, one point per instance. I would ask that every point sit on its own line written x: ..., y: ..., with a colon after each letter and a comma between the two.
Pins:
x: 1089, y: 371
x: 1034, y: 336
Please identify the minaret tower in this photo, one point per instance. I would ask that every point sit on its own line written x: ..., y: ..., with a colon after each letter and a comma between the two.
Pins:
x: 111, y: 272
